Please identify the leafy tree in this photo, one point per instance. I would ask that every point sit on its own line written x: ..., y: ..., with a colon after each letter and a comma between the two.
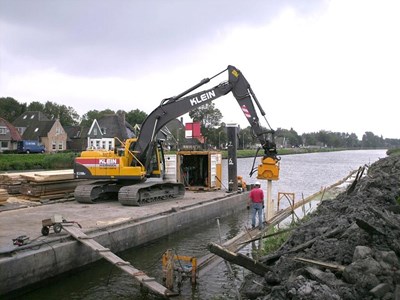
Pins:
x: 391, y: 143
x: 91, y: 115
x: 324, y: 138
x: 289, y: 135
x: 246, y: 137
x: 35, y: 106
x: 351, y: 140
x: 136, y: 116
x: 222, y: 136
x: 66, y: 115
x: 207, y: 115
x: 370, y: 140
x: 10, y: 109
x: 309, y: 139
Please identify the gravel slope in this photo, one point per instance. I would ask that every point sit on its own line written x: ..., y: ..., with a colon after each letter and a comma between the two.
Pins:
x: 358, y: 232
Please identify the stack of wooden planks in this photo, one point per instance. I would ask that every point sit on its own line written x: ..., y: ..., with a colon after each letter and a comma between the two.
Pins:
x: 48, y: 185
x: 11, y: 182
x: 3, y: 196
x: 42, y: 185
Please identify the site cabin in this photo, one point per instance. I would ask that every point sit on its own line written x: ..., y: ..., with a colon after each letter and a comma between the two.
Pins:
x: 30, y: 146
x: 197, y: 170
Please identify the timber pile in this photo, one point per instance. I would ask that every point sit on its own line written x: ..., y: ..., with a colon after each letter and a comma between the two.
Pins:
x: 349, y: 249
x: 41, y: 186
x: 11, y: 182
x: 3, y: 196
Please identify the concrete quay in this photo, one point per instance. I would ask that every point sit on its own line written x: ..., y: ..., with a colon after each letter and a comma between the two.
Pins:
x: 112, y: 225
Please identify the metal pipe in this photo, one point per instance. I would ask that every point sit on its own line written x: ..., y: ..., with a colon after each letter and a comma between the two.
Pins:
x: 204, y: 81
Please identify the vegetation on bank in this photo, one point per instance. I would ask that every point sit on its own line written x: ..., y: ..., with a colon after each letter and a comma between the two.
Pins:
x: 394, y: 151
x: 283, y: 151
x: 19, y: 162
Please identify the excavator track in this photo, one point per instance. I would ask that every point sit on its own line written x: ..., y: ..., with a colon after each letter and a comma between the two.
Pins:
x: 129, y: 195
x: 92, y: 193
x: 143, y: 193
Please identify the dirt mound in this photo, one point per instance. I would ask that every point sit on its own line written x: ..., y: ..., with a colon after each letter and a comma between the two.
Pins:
x: 357, y: 234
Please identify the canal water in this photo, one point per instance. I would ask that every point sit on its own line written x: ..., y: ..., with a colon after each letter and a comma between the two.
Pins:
x: 302, y: 174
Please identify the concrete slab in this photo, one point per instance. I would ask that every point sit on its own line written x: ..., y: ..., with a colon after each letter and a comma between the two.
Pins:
x: 28, y: 221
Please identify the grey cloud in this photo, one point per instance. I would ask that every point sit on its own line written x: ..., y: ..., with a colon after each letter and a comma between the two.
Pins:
x: 97, y: 38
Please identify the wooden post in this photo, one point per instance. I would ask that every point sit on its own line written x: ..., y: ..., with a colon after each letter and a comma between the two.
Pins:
x: 269, y: 207
x: 194, y: 270
x: 169, y: 270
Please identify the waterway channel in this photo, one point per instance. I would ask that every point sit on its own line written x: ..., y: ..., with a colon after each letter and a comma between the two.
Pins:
x: 302, y: 174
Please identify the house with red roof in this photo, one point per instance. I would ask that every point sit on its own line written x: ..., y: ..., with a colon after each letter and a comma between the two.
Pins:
x: 9, y: 136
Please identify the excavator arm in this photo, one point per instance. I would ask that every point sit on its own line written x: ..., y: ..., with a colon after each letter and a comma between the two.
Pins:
x: 173, y: 107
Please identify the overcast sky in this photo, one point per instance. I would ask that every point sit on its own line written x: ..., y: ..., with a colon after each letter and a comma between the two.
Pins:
x: 313, y: 64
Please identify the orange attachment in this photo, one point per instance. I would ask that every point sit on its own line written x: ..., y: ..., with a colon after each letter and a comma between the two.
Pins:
x: 241, y: 183
x: 168, y: 260
x: 269, y: 169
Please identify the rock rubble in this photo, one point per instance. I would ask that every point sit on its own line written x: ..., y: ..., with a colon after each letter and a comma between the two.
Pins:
x: 356, y: 235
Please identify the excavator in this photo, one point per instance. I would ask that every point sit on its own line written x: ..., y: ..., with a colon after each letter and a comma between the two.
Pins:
x: 125, y: 170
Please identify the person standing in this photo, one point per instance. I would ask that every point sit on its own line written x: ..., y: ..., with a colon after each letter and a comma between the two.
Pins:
x: 256, y: 203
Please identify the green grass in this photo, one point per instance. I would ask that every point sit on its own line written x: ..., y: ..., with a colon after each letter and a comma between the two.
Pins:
x: 273, y: 243
x: 283, y: 151
x: 395, y: 151
x: 19, y: 162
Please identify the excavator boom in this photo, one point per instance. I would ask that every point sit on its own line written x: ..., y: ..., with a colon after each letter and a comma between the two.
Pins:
x: 173, y: 107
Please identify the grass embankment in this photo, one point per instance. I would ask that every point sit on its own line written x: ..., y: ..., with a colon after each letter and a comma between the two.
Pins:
x: 17, y: 162
x: 284, y: 151
x: 395, y: 151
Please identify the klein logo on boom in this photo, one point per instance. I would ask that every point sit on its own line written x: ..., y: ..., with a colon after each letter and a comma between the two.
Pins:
x: 109, y: 162
x: 203, y: 97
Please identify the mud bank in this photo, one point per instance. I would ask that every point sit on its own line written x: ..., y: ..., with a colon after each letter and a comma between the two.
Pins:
x: 357, y: 234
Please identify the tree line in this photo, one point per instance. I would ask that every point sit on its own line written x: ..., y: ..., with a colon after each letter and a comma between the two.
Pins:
x: 212, y: 128
x: 10, y: 109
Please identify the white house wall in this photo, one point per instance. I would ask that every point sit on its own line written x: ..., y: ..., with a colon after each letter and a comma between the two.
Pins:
x: 105, y: 143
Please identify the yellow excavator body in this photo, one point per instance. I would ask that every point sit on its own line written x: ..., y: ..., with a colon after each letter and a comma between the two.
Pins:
x: 120, y: 163
x: 109, y: 164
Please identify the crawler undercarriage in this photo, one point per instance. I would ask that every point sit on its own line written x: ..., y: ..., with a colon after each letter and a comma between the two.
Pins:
x: 128, y: 194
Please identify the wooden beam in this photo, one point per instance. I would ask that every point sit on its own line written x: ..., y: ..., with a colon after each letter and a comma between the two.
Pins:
x: 331, y: 266
x: 238, y: 259
x: 125, y: 266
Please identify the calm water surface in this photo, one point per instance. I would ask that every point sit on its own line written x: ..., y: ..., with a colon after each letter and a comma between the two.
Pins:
x: 302, y: 174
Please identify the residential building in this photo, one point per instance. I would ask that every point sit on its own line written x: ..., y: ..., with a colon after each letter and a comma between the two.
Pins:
x: 77, y: 137
x: 9, y: 136
x: 34, y: 125
x: 102, y: 132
